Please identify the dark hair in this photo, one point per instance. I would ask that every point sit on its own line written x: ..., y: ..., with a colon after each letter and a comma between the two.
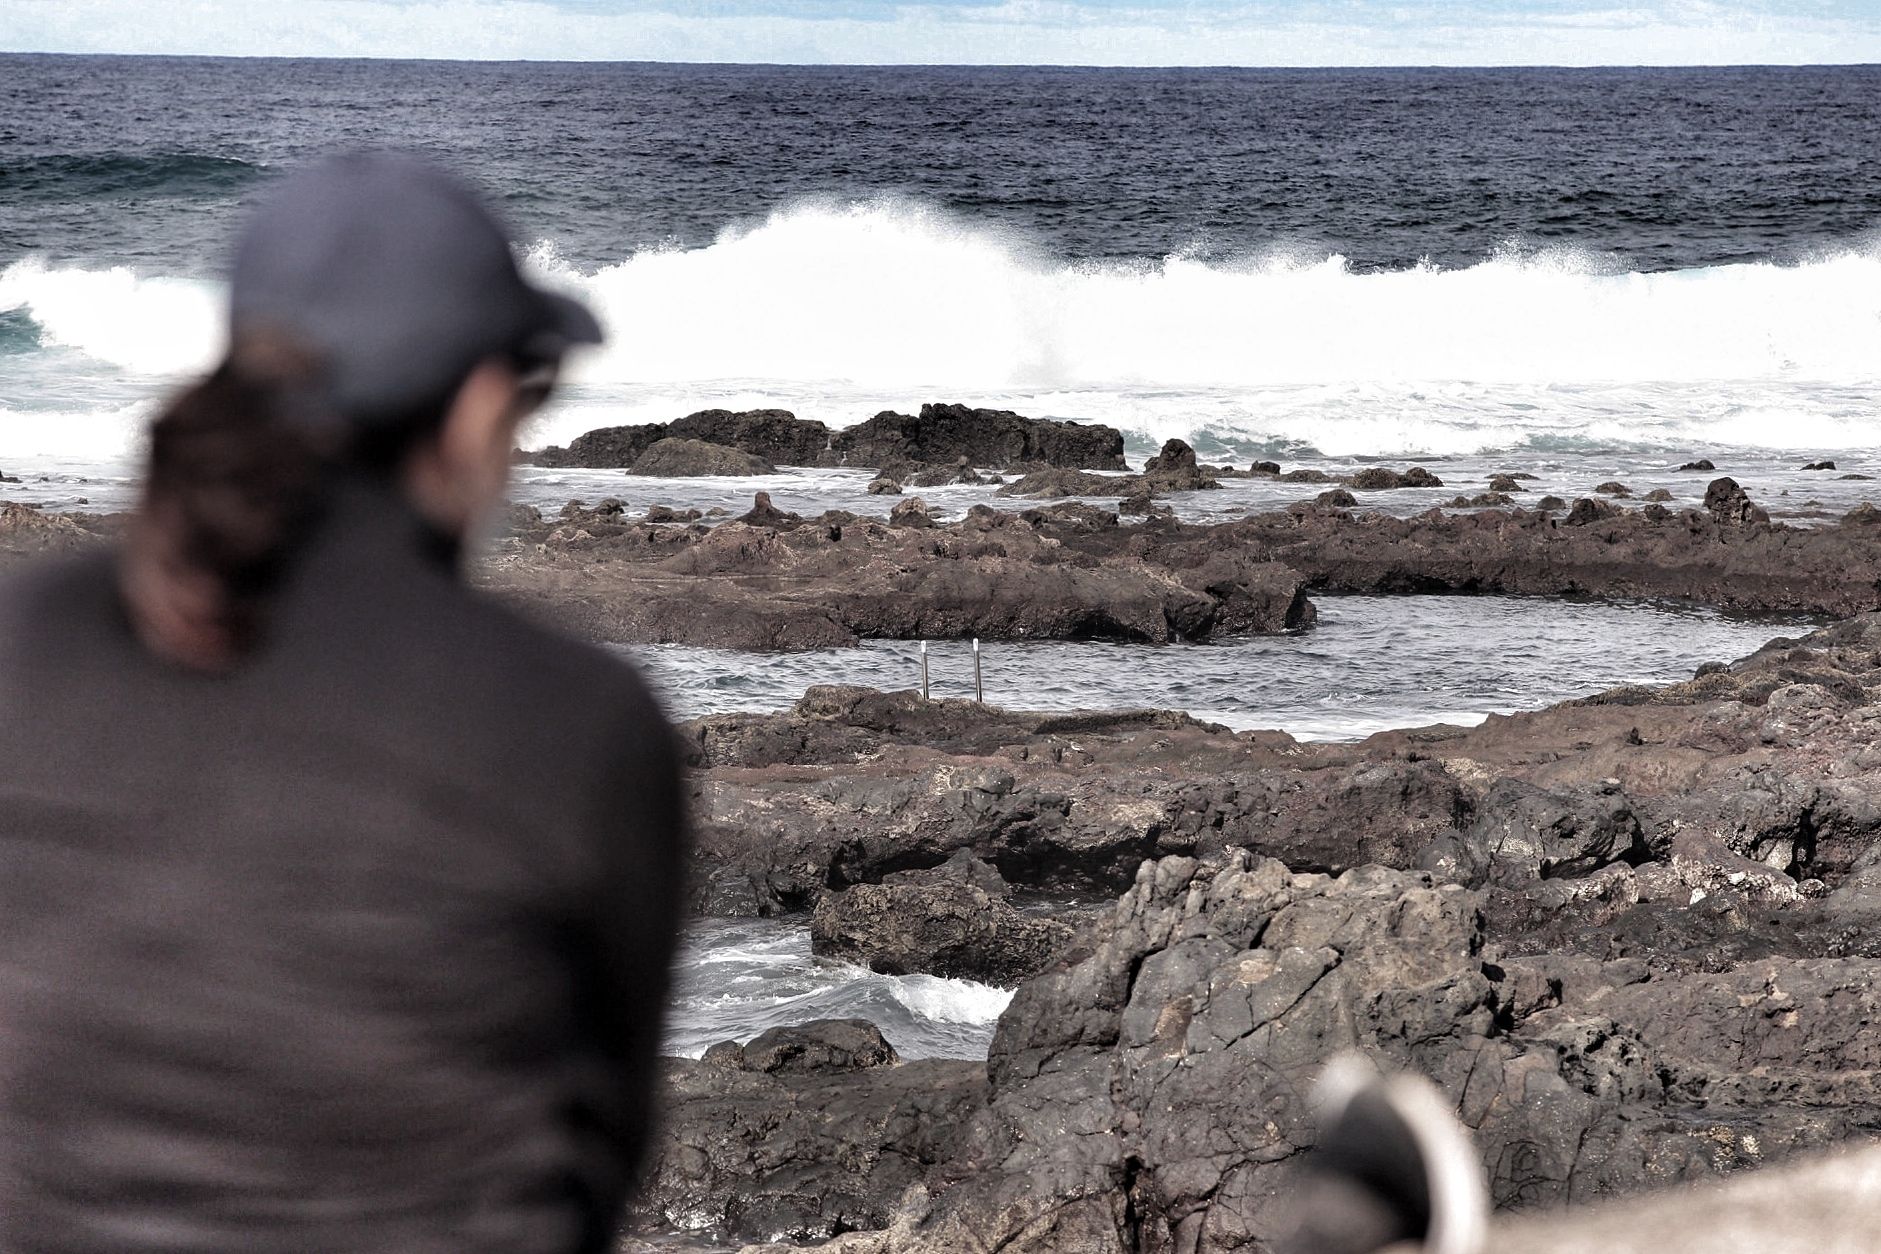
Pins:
x: 239, y: 469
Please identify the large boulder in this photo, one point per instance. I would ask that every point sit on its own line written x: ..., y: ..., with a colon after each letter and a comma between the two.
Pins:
x: 954, y: 920
x: 677, y: 458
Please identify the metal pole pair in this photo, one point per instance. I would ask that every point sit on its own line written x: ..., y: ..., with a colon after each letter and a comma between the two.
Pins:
x: 979, y: 684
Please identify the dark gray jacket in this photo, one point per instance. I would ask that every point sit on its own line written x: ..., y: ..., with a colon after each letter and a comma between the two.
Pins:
x: 363, y: 947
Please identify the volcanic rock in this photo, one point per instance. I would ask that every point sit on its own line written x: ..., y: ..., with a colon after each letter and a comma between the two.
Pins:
x: 911, y: 512
x: 985, y: 437
x: 805, y: 1132
x: 884, y: 486
x: 953, y: 921
x: 676, y: 457
x: 1703, y: 463
x: 1728, y: 503
x: 1820, y: 466
x: 1587, y: 510
x: 1174, y: 469
x: 1379, y: 477
x: 1057, y: 483
x: 1147, y: 1091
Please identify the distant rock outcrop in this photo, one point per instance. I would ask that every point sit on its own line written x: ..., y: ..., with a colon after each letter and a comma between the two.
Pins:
x: 943, y: 434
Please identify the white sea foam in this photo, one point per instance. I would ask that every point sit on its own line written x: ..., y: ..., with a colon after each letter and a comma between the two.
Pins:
x: 894, y: 296
x: 836, y: 311
x: 153, y: 325
x: 950, y: 1001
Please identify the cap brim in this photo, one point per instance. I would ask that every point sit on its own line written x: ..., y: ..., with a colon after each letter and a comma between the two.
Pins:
x: 566, y: 322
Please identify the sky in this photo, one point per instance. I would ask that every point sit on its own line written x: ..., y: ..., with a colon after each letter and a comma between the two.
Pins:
x: 1026, y: 32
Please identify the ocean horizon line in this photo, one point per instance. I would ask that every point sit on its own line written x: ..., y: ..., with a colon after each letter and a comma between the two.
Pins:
x: 1353, y: 68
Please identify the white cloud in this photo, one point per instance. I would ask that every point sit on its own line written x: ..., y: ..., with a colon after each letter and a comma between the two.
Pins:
x: 1013, y: 32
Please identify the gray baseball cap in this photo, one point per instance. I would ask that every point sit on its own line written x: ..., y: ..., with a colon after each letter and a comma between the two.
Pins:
x: 394, y: 274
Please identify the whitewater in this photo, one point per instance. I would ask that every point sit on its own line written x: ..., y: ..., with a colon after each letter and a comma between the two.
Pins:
x: 836, y: 311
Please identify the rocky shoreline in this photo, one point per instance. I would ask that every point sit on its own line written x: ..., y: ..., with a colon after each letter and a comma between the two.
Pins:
x: 1633, y: 937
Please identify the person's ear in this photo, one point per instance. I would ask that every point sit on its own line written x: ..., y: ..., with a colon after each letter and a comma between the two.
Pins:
x: 480, y: 426
x: 461, y: 472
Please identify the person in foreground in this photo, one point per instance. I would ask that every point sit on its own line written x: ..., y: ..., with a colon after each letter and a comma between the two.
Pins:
x: 336, y: 903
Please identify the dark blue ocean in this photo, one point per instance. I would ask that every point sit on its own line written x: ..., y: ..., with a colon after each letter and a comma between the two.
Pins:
x: 1582, y: 274
x: 1292, y: 263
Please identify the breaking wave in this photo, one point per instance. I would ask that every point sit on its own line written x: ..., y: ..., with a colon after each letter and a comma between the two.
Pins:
x: 839, y: 310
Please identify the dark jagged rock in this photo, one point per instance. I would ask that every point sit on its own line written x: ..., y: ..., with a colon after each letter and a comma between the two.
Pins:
x: 666, y: 514
x: 823, y: 1047
x: 911, y: 512
x: 1823, y: 465
x: 1056, y: 483
x: 805, y: 1132
x: 1337, y: 498
x: 675, y: 457
x: 884, y: 486
x: 985, y: 437
x: 1729, y: 503
x: 1379, y: 477
x: 1613, y: 487
x: 1265, y: 469
x: 1174, y: 469
x: 1305, y: 474
x: 1551, y: 503
x: 1588, y: 510
x: 1659, y: 494
x: 774, y: 435
x: 961, y: 472
x: 1482, y: 500
x: 1527, y: 833
x: 951, y: 921
x: 942, y: 433
x: 1703, y: 463
x: 764, y: 514
x: 1504, y: 483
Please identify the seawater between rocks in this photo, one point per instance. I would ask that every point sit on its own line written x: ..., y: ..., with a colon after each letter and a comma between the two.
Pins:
x: 1370, y: 664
